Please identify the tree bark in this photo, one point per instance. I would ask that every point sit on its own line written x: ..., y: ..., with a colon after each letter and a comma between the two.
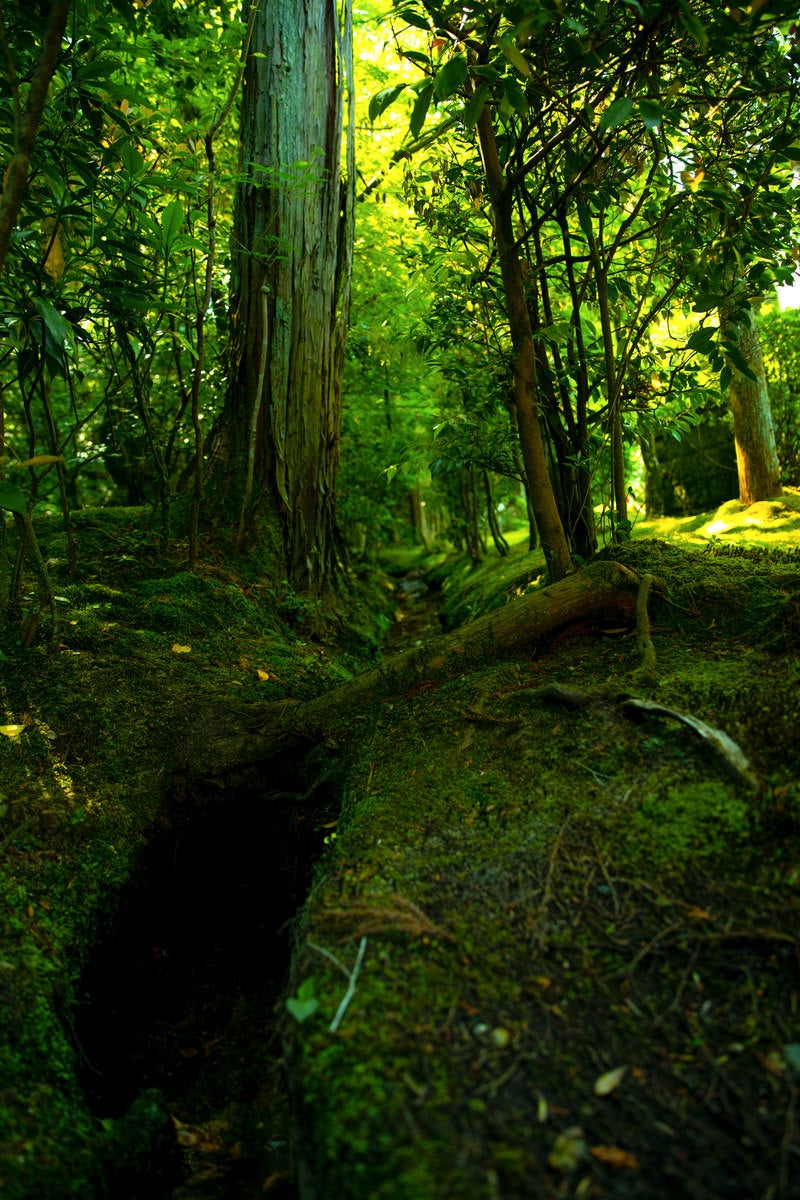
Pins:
x: 291, y: 265
x: 756, y: 455
x: 247, y: 739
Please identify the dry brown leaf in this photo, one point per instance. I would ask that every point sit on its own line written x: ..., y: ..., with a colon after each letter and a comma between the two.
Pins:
x: 615, y: 1156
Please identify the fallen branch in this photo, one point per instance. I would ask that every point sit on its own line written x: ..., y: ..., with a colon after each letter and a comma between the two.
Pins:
x: 723, y: 747
x: 604, y: 589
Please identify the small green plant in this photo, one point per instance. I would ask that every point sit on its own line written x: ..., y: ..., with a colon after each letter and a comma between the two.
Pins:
x: 305, y: 1003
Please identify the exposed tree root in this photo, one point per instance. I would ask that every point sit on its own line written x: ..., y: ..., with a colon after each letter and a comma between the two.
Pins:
x: 644, y: 641
x: 224, y: 743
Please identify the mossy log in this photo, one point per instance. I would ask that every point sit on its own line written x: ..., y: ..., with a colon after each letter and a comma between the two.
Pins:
x: 233, y: 742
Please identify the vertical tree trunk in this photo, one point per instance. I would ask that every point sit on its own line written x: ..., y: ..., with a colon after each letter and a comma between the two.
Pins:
x: 756, y: 456
x: 291, y: 264
x: 28, y: 123
x: 540, y: 490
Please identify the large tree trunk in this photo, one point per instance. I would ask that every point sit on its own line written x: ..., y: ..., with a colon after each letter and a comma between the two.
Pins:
x: 291, y: 263
x: 756, y: 455
x: 537, y: 479
x: 246, y: 740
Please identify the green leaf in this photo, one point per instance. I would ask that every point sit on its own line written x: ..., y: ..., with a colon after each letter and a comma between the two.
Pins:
x: 517, y: 58
x: 451, y: 77
x: 616, y: 114
x: 57, y: 327
x: 304, y: 1004
x: 419, y: 60
x: 12, y: 498
x: 585, y: 219
x: 420, y: 111
x: 171, y: 221
x: 514, y: 96
x: 650, y: 112
x: 694, y: 26
x: 416, y: 19
x: 473, y: 110
x: 702, y: 339
x: 383, y: 99
x: 738, y: 360
x: 725, y: 378
x: 132, y: 160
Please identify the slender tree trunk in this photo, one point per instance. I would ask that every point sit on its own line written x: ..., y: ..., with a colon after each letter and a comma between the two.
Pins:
x: 291, y: 265
x: 653, y: 476
x: 540, y: 490
x: 756, y: 456
x: 27, y: 122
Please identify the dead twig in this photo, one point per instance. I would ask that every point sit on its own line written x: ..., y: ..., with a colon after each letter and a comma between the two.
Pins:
x: 351, y: 987
x: 547, y: 893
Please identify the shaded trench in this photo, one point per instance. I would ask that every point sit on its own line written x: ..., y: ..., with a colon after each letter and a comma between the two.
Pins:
x: 179, y: 1028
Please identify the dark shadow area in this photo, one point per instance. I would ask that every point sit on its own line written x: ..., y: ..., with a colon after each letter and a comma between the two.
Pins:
x: 184, y: 996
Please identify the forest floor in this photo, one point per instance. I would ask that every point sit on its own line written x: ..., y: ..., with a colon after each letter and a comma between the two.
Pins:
x: 505, y: 939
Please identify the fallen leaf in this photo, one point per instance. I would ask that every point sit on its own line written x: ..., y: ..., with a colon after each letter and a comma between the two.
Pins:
x: 615, y: 1156
x: 698, y: 914
x: 12, y: 731
x: 261, y: 675
x: 178, y: 649
x: 606, y: 1083
x: 568, y: 1150
x: 774, y: 1062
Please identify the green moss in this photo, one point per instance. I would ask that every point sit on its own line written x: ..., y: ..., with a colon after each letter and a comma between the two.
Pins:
x: 682, y: 828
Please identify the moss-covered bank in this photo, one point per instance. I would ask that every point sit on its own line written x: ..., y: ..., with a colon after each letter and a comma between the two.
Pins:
x: 579, y: 971
x: 559, y: 945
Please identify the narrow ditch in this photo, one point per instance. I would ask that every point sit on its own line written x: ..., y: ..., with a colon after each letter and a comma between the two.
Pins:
x: 179, y: 1028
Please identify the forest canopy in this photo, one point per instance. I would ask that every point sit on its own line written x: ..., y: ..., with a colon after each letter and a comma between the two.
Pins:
x: 570, y: 222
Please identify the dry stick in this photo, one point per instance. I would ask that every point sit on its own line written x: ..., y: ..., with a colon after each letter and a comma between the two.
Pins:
x: 337, y: 962
x: 351, y: 987
x: 547, y: 894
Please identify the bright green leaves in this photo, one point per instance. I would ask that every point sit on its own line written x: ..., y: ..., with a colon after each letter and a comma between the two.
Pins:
x: 170, y: 227
x: 384, y: 99
x: 475, y: 105
x: 451, y: 77
x: 448, y: 80
x: 621, y: 110
x: 420, y: 109
x: 723, y: 353
x: 305, y: 1003
x: 650, y: 112
x: 693, y: 25
x: 515, y: 56
x: 57, y: 327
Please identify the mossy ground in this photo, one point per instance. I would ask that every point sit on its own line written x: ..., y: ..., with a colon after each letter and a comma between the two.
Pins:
x: 549, y: 896
x: 546, y: 894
